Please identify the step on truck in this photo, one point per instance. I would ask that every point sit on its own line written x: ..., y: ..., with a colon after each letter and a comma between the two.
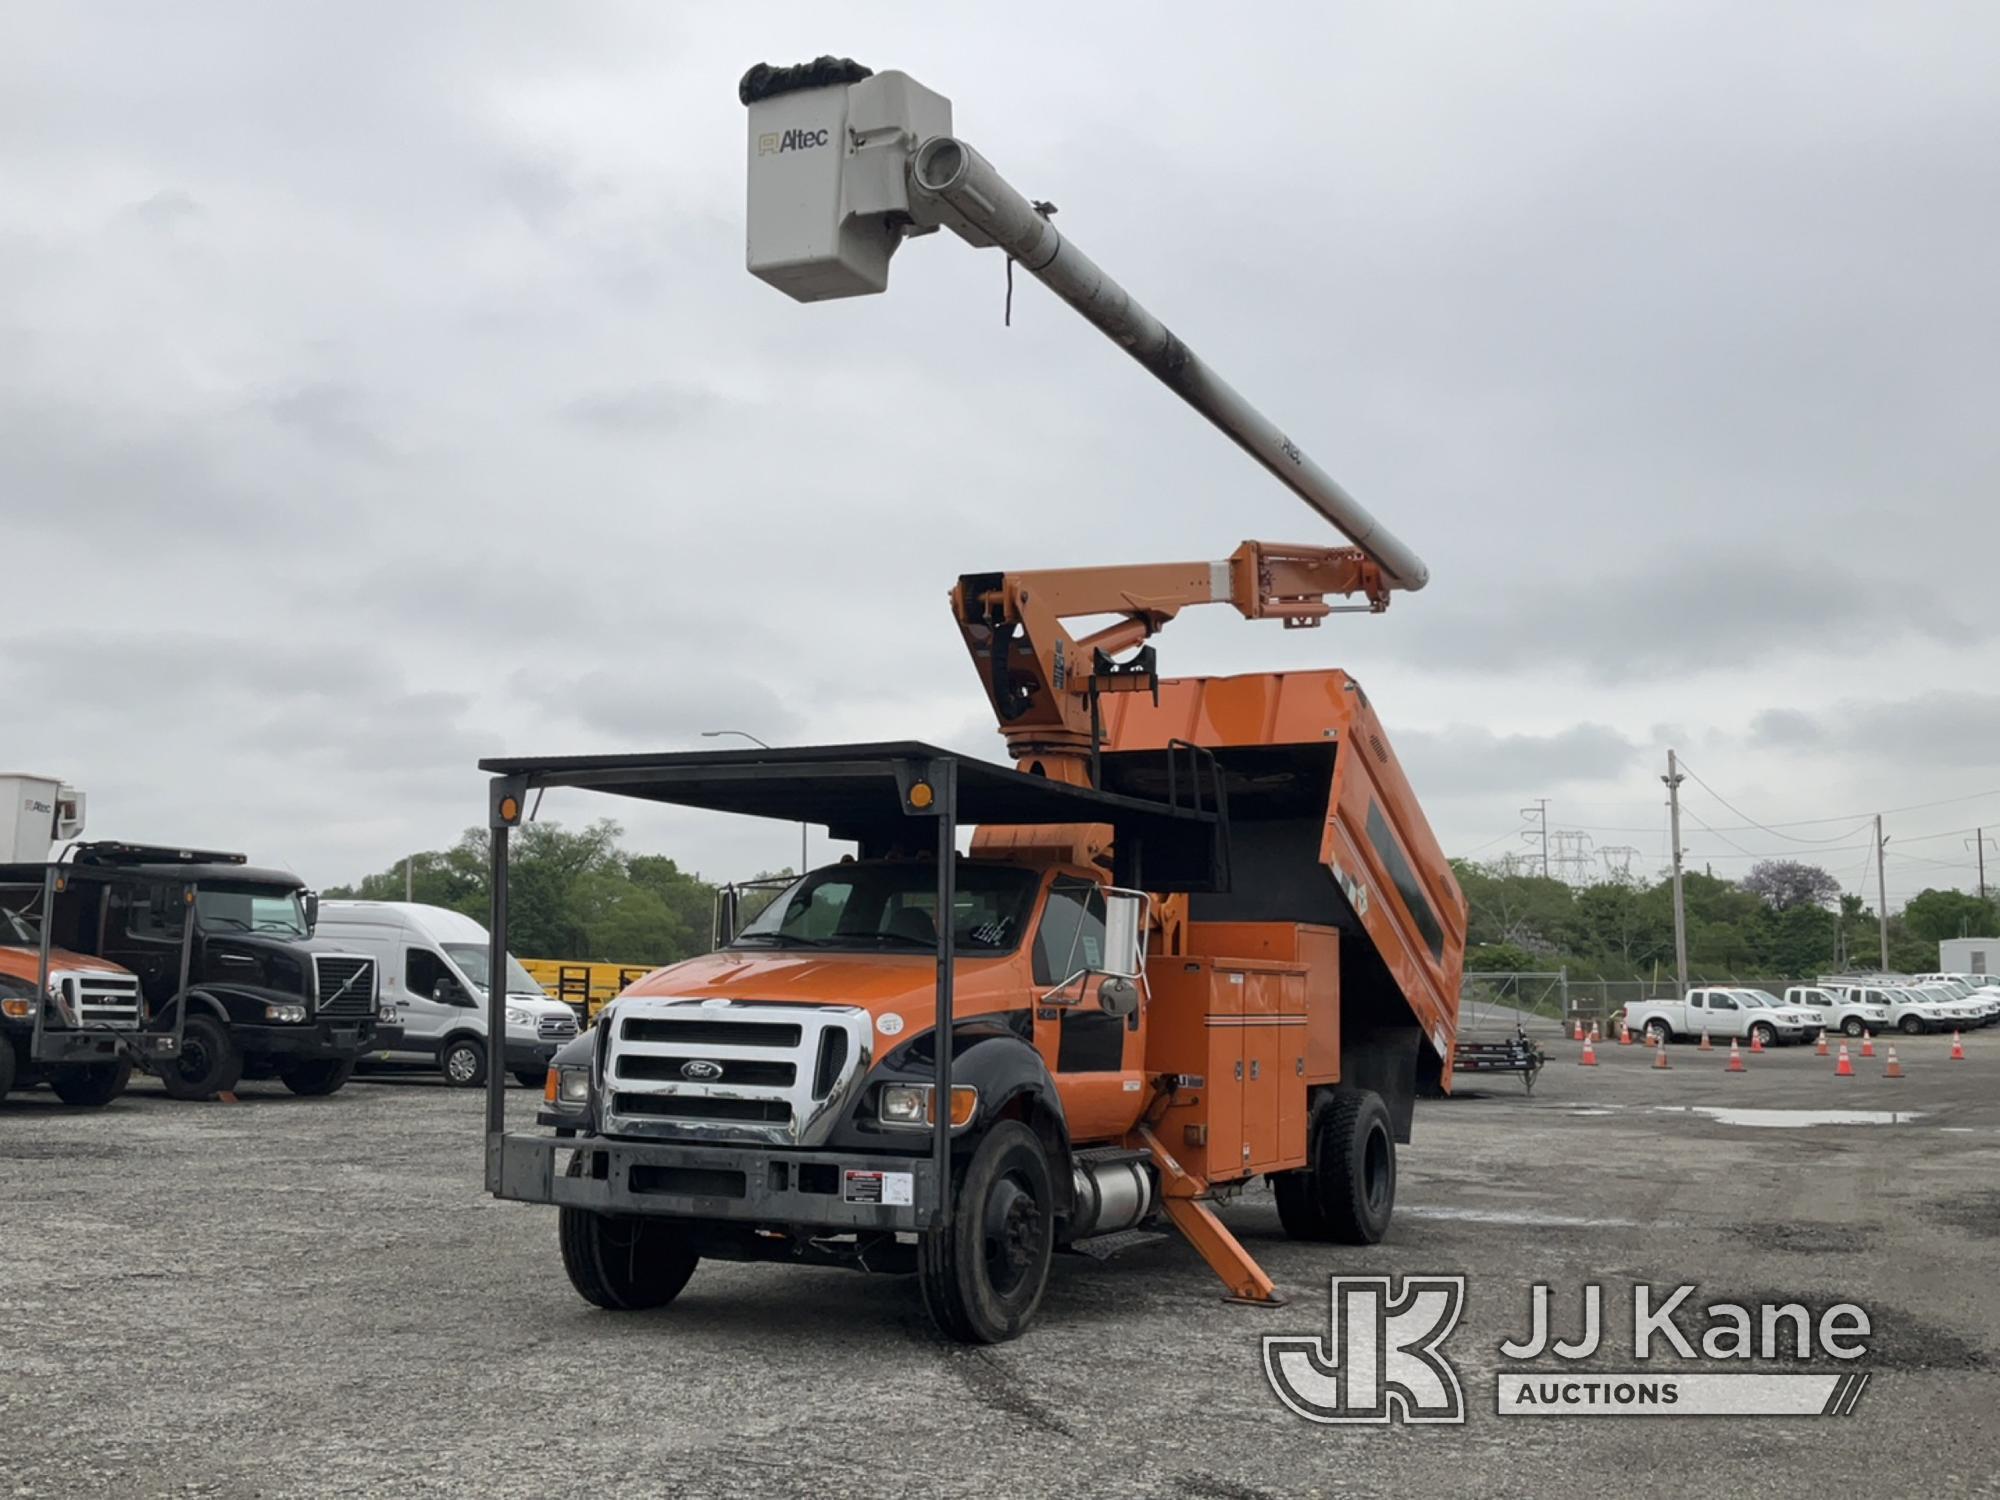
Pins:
x: 248, y: 990
x: 69, y: 1018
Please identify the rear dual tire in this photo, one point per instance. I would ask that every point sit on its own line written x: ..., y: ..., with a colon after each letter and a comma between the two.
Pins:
x: 1346, y: 1193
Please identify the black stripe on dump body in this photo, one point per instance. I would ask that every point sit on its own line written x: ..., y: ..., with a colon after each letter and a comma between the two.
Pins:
x: 1405, y: 880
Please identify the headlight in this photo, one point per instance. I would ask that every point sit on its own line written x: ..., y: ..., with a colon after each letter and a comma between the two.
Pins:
x: 909, y: 1104
x: 517, y: 1017
x: 572, y: 1086
x: 386, y: 1014
x: 285, y: 1015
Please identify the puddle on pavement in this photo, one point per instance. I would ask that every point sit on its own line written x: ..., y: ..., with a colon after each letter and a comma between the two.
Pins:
x: 1795, y: 1119
x: 1517, y: 1216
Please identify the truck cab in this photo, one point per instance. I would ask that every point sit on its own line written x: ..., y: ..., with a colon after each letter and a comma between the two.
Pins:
x: 1838, y: 1009
x: 254, y: 994
x: 70, y: 1024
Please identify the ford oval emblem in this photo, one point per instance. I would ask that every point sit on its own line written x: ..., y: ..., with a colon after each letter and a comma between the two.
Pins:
x: 701, y: 1070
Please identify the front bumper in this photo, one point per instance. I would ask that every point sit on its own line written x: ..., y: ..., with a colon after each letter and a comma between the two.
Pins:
x: 315, y: 1039
x: 94, y: 1045
x: 834, y: 1190
x: 522, y: 1054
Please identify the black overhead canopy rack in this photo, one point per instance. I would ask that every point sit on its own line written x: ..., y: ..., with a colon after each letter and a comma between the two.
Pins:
x: 879, y: 795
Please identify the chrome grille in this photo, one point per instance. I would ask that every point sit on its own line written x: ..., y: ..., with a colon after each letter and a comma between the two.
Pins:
x: 723, y: 1071
x: 556, y: 1028
x: 101, y: 999
x: 346, y: 984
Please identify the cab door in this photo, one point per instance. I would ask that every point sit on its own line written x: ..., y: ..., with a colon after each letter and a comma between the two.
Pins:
x: 1725, y: 1015
x: 1094, y: 1054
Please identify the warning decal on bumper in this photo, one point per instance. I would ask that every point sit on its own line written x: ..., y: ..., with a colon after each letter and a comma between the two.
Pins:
x: 878, y: 1187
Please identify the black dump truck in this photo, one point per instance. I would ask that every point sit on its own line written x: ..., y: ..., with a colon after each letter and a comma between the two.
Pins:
x: 262, y: 998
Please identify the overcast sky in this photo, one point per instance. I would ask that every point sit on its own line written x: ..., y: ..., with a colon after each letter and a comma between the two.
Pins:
x: 381, y: 387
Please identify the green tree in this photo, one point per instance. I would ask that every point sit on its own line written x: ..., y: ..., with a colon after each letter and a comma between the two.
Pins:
x: 1934, y: 916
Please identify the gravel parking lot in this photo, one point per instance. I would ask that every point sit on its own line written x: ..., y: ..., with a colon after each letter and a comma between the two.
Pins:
x: 290, y: 1297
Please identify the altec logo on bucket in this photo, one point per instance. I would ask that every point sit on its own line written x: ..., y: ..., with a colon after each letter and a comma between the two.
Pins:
x: 1381, y: 1360
x: 776, y: 143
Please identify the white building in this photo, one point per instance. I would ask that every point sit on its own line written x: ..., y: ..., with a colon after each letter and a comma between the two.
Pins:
x: 1969, y: 956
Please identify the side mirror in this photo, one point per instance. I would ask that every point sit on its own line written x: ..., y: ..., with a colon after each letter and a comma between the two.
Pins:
x: 312, y: 912
x: 448, y: 991
x: 1124, y: 934
x: 1117, y: 995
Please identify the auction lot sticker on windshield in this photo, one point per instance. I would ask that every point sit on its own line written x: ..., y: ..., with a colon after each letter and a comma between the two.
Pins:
x: 878, y: 1187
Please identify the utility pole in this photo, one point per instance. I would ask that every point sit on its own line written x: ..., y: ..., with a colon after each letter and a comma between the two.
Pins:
x: 1673, y: 779
x: 409, y: 880
x: 1882, y: 891
x: 1978, y: 842
x: 1540, y: 813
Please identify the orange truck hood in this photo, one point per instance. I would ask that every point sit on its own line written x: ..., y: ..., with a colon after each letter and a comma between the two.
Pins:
x: 25, y: 963
x: 904, y: 984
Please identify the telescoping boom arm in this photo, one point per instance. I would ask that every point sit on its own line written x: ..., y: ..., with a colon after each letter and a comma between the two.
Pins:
x: 844, y: 164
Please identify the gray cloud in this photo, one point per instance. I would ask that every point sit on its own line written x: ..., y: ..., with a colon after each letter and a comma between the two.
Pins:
x: 1467, y: 760
x: 378, y: 407
x: 1942, y: 729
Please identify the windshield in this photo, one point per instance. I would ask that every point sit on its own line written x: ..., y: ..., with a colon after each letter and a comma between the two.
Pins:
x: 251, y: 908
x: 1760, y: 997
x: 893, y: 904
x: 14, y: 929
x: 471, y: 958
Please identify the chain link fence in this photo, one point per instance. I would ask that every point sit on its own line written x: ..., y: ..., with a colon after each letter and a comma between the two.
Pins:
x: 1551, y: 1000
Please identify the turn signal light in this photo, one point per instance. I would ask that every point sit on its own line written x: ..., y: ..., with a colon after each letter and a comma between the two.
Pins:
x: 17, y: 1010
x: 549, y: 1088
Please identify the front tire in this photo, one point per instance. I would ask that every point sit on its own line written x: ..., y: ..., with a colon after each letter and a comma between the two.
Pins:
x: 208, y: 1063
x: 983, y: 1276
x: 314, y: 1080
x: 463, y: 1062
x: 1852, y: 1026
x: 1660, y: 1032
x: 621, y: 1264
x: 1912, y: 1025
x: 93, y: 1086
x: 1763, y: 1035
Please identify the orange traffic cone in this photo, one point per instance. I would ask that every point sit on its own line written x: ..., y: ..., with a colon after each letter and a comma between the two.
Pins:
x: 1735, y: 1058
x: 1867, y: 1044
x: 1845, y: 1067
x: 1624, y: 1035
x: 1706, y: 1044
x: 1820, y: 1050
x: 1589, y: 1058
x: 1579, y: 1030
x: 1957, y: 1048
x: 1595, y: 1034
x: 1660, y: 1056
x: 1894, y: 1069
x: 1646, y: 1037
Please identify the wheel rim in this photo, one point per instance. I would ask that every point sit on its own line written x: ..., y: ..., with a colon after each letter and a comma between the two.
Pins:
x: 1010, y: 1234
x: 1375, y: 1171
x: 459, y: 1067
x: 193, y: 1064
x: 1853, y: 1027
x: 1659, y: 1032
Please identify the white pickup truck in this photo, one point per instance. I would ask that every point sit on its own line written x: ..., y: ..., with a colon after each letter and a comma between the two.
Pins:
x: 1839, y: 1010
x: 1910, y: 1011
x: 1723, y: 1013
x: 1982, y: 1001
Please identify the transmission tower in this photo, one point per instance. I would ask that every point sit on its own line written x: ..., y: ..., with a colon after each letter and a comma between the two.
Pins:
x: 1618, y: 860
x: 1571, y: 863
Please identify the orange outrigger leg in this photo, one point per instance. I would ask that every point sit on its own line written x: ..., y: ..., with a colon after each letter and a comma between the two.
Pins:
x: 1182, y: 1195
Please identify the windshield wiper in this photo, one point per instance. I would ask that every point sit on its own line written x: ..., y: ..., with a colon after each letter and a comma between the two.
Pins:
x: 927, y: 944
x: 214, y: 917
x: 778, y: 939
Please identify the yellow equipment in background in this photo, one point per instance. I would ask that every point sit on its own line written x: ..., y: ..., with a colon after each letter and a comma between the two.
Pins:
x: 585, y: 987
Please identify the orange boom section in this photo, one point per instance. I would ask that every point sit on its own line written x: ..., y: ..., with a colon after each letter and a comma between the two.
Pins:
x: 1326, y: 837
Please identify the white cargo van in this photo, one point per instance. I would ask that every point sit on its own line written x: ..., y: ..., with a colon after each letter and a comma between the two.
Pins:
x: 432, y: 962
